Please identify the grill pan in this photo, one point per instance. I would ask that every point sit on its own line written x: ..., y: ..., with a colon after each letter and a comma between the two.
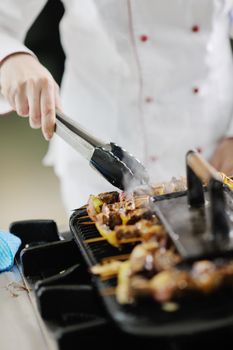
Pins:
x: 187, y: 228
x: 146, y: 318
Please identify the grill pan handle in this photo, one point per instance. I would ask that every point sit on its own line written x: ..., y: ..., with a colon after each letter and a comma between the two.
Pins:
x: 202, y: 168
x: 200, y: 172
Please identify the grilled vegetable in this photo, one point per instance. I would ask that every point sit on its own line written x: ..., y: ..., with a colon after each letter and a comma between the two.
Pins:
x: 94, y: 206
x: 125, y: 234
x: 227, y: 180
x: 123, y: 290
x: 107, y: 270
x: 108, y: 234
x: 95, y: 203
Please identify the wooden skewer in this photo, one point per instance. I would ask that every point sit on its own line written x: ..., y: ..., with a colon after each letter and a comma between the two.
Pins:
x: 84, y: 217
x: 108, y: 291
x: 95, y: 239
x: 108, y: 277
x: 117, y: 257
x: 131, y: 240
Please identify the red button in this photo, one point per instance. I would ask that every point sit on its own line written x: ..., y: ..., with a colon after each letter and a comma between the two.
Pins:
x: 195, y: 90
x: 199, y: 149
x: 153, y: 158
x: 195, y: 28
x: 149, y: 99
x: 144, y: 38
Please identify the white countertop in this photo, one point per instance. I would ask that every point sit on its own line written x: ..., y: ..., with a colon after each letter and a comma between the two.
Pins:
x: 21, y: 326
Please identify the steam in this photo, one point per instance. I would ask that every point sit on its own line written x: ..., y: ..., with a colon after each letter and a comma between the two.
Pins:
x: 132, y: 185
x: 140, y: 182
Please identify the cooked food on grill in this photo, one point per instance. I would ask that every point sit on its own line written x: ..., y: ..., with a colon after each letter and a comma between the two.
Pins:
x: 168, y: 282
x: 107, y: 270
x: 227, y: 180
x: 138, y: 198
x: 152, y: 268
x: 127, y: 220
x: 95, y: 203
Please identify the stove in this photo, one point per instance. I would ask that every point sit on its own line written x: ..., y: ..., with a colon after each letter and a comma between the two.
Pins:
x: 67, y: 299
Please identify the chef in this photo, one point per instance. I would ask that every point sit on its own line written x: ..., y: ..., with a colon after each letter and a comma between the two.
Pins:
x: 155, y: 76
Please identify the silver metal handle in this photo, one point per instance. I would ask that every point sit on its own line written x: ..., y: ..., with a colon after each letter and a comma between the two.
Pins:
x: 75, y: 141
x: 78, y: 129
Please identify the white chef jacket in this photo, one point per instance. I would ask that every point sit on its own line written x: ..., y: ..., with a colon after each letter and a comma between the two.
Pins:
x: 155, y: 76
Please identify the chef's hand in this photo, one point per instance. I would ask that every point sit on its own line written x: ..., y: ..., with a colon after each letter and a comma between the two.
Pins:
x: 31, y: 91
x: 222, y: 158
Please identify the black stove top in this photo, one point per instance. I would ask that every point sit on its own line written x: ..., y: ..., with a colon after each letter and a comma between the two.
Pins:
x: 67, y: 299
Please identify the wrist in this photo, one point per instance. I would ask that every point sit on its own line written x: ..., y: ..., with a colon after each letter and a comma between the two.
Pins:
x: 15, y: 55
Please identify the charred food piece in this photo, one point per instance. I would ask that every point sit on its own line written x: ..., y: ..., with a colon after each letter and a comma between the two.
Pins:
x: 168, y: 284
x: 109, y: 197
x: 95, y: 203
x: 206, y: 277
x: 142, y: 230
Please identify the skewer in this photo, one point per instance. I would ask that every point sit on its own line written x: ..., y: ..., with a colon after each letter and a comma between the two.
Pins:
x: 109, y: 277
x: 94, y: 240
x: 108, y: 291
x: 131, y: 240
x: 116, y: 257
x: 84, y: 217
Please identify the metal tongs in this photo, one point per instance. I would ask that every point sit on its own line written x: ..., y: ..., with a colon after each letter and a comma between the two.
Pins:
x: 115, y: 164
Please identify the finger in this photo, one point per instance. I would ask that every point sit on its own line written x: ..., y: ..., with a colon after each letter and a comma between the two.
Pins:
x: 11, y: 98
x: 47, y: 103
x: 21, y: 103
x: 58, y: 98
x: 34, y: 94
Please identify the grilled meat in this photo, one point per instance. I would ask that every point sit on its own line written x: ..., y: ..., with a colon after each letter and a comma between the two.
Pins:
x: 167, y: 284
x: 175, y: 185
x: 165, y: 259
x: 136, y: 215
x: 139, y: 254
x: 109, y: 197
x: 151, y: 257
x: 206, y: 276
x: 142, y: 230
x: 111, y: 220
x: 95, y: 203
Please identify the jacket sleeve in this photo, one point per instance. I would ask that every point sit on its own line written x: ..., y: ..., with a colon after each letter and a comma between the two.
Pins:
x: 16, y: 17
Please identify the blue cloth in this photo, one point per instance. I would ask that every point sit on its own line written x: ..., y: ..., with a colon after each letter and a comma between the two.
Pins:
x: 9, y: 244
